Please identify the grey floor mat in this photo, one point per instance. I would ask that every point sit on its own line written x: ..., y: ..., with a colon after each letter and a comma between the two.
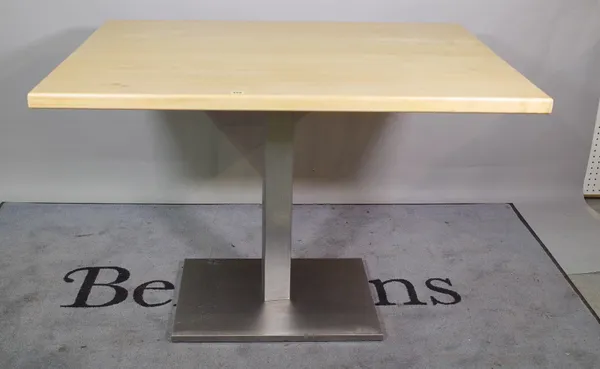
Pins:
x: 486, y: 293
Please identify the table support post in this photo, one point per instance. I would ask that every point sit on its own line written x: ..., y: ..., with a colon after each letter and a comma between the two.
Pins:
x: 275, y: 298
x: 277, y: 206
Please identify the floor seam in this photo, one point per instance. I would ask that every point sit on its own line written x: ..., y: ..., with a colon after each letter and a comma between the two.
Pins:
x: 588, y: 273
x: 558, y: 266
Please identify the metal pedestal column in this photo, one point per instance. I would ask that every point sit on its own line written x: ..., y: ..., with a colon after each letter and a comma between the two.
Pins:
x: 275, y: 298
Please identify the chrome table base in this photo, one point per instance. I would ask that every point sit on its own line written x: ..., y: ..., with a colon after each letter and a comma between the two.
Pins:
x: 275, y: 298
x: 220, y: 300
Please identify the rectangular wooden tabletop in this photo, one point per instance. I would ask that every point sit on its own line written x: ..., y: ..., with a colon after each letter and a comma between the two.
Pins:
x: 289, y: 66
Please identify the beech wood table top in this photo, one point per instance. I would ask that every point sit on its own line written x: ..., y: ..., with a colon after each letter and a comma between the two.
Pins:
x: 287, y: 66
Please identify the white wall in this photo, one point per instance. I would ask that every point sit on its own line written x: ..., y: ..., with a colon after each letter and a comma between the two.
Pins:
x: 125, y: 156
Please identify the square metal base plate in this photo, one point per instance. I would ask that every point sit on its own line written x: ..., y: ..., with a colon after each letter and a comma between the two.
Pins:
x: 220, y: 300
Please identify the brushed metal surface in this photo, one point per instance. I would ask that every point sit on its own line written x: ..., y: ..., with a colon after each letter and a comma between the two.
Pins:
x: 220, y: 300
x: 277, y: 206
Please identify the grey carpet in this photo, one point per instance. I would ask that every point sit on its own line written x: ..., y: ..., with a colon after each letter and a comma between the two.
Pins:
x: 516, y: 309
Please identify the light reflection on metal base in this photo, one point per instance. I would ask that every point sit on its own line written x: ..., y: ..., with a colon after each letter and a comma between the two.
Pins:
x: 220, y: 300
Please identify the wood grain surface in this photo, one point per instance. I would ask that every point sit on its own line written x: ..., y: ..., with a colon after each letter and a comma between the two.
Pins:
x: 288, y: 66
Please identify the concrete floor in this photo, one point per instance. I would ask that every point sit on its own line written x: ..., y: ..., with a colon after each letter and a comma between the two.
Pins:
x: 589, y: 283
x: 587, y: 279
x: 502, y: 302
